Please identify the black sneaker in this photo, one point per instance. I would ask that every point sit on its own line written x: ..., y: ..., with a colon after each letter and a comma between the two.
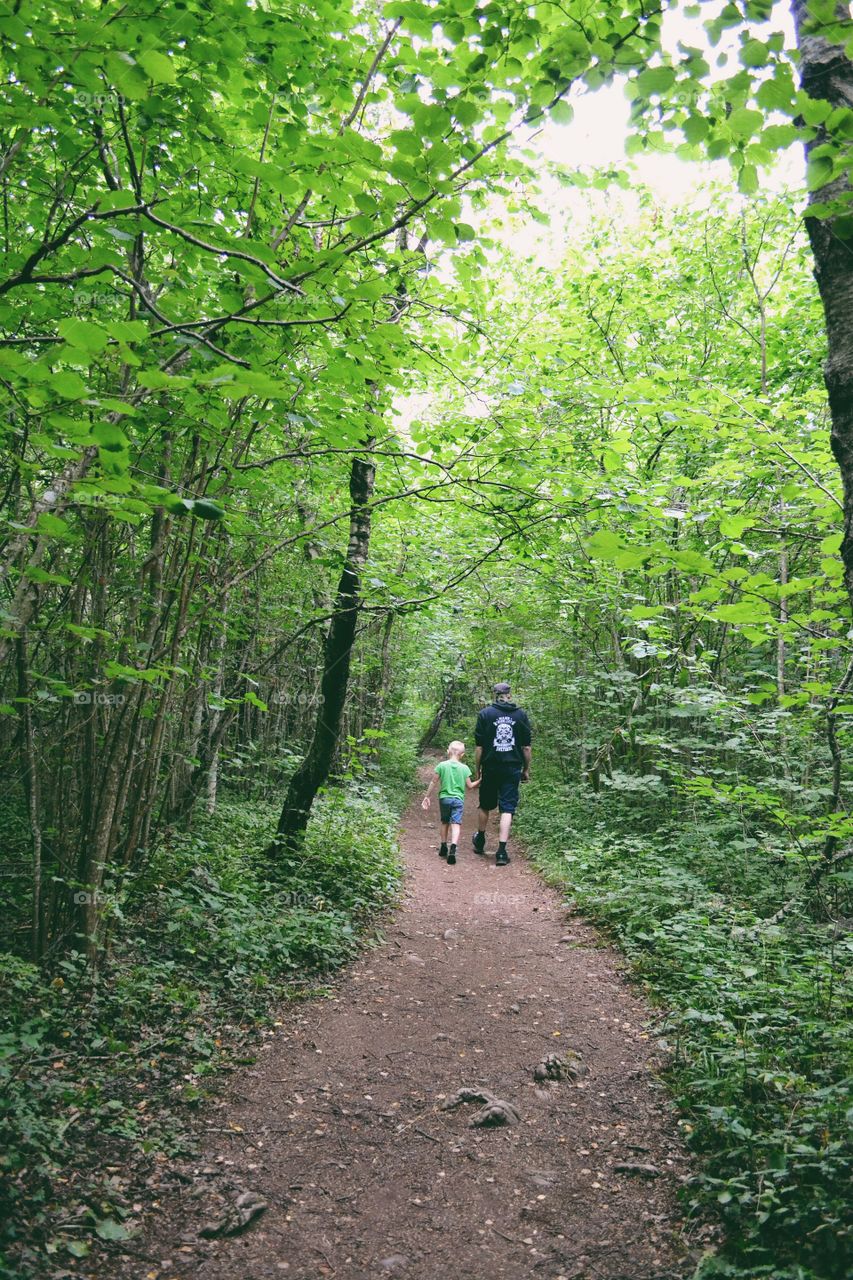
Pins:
x: 451, y: 858
x: 478, y: 840
x: 442, y: 853
x: 501, y: 858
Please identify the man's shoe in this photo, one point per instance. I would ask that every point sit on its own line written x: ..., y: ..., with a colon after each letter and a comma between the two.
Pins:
x: 451, y: 859
x: 478, y: 840
x: 501, y: 858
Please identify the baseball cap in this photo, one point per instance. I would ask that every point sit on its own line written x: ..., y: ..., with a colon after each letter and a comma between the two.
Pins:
x: 503, y: 687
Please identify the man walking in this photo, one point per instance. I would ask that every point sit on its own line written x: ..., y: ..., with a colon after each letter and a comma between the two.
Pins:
x: 501, y: 760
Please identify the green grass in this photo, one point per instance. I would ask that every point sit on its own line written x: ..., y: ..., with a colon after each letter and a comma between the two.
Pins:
x: 759, y: 1020
x: 205, y: 945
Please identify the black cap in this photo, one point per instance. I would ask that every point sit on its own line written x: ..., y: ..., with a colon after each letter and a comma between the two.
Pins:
x: 503, y: 687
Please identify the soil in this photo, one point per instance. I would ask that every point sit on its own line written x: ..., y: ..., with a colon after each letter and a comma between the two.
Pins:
x: 334, y: 1155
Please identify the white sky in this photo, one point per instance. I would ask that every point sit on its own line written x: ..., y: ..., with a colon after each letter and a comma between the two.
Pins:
x: 595, y: 138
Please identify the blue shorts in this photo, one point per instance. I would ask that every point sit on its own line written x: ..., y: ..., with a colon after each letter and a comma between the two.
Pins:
x: 451, y: 808
x: 500, y: 790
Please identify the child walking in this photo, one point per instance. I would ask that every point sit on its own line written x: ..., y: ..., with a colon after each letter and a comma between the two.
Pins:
x: 454, y: 778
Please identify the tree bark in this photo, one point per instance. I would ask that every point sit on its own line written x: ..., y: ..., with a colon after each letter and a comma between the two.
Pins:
x: 314, y: 770
x: 827, y: 75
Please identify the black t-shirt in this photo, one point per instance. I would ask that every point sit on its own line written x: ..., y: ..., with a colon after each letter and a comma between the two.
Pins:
x: 502, y: 730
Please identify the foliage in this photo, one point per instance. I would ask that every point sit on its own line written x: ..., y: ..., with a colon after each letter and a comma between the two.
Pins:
x: 94, y: 1073
x: 756, y: 1015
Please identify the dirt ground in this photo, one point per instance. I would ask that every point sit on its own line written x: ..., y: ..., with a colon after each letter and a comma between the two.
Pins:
x: 336, y: 1148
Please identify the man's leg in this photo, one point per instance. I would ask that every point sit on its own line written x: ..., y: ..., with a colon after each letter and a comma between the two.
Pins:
x: 488, y: 800
x: 508, y: 801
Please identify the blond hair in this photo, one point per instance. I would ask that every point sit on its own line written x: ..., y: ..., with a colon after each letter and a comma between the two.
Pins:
x: 457, y: 747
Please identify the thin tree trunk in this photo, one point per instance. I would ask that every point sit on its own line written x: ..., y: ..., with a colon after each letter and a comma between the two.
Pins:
x: 428, y: 737
x: 213, y: 771
x: 31, y: 786
x: 314, y: 770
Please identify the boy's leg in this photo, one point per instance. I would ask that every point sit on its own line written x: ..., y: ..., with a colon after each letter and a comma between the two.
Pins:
x: 455, y: 820
x: 445, y: 826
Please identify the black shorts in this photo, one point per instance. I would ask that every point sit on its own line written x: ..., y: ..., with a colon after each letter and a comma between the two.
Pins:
x: 500, y: 790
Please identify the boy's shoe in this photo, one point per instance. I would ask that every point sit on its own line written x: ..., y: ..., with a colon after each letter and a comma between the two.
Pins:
x: 501, y: 858
x: 478, y: 840
x: 451, y: 858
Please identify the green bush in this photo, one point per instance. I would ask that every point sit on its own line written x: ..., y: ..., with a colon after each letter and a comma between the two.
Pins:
x: 758, y: 1019
x: 208, y: 941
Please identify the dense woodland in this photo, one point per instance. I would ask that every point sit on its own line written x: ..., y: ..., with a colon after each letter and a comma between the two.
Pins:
x: 305, y: 443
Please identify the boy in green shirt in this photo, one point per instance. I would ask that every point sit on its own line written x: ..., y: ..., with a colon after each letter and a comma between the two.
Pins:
x: 454, y: 779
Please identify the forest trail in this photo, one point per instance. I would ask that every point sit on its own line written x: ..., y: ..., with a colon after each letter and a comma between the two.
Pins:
x: 339, y: 1127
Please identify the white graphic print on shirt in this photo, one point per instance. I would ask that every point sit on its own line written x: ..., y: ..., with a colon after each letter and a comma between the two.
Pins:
x: 504, y: 735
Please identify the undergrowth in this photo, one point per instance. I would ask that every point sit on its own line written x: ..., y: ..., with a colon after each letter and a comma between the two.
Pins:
x: 95, y: 1073
x: 758, y: 1018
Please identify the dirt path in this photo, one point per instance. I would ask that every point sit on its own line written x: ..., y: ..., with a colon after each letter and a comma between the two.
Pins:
x: 364, y: 1175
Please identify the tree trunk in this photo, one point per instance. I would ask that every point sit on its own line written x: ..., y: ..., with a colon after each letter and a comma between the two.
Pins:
x: 441, y: 711
x: 31, y: 789
x: 826, y: 74
x: 314, y: 770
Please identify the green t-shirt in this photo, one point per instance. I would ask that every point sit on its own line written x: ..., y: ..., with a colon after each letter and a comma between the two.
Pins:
x: 452, y: 776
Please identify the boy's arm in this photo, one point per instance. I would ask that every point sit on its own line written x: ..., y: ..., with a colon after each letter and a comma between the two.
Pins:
x: 425, y: 801
x: 471, y: 783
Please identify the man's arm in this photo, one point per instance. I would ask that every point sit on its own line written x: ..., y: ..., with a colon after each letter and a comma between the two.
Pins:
x: 527, y: 752
x: 478, y: 757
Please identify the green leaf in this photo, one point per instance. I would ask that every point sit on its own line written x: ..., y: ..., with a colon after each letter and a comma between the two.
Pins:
x: 747, y: 180
x: 744, y: 122
x: 818, y: 172
x: 157, y: 66
x: 83, y: 334
x: 52, y: 525
x: 110, y: 1229
x: 207, y: 510
x: 695, y: 128
x: 69, y: 385
x: 562, y: 112
x: 604, y: 544
x: 733, y: 526
x: 655, y: 80
x: 109, y: 436
x: 746, y: 611
x: 754, y: 53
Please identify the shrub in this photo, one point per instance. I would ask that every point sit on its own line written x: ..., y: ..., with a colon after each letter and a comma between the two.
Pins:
x: 207, y: 943
x: 758, y: 1018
